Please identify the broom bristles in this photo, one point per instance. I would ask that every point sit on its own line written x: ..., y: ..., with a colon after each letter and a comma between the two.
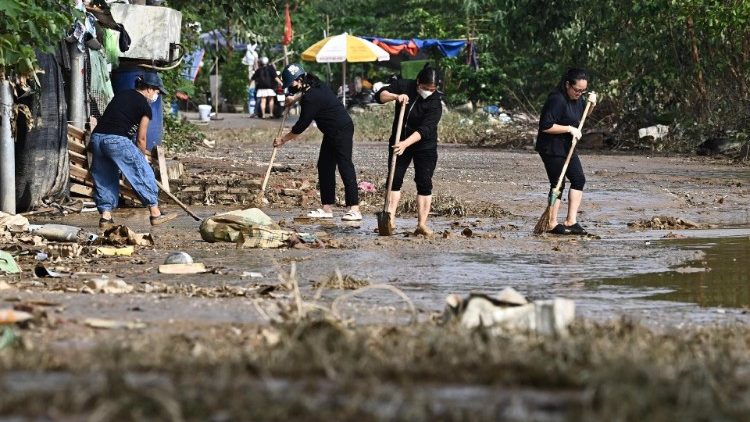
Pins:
x: 542, y: 226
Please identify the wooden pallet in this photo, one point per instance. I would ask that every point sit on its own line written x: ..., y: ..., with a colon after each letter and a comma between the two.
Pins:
x: 81, y: 183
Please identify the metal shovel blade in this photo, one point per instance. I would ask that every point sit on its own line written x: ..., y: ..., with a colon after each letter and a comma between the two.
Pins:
x: 384, y: 223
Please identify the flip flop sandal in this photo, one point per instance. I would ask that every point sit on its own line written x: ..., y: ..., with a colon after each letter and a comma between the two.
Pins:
x: 576, y: 229
x: 560, y: 229
x: 319, y: 213
x: 352, y: 216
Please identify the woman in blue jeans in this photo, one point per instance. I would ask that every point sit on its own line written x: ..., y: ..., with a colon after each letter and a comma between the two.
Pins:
x: 126, y: 116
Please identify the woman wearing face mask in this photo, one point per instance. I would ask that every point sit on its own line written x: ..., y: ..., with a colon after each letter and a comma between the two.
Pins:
x: 418, y: 141
x: 320, y: 104
x: 127, y: 116
x: 558, y: 126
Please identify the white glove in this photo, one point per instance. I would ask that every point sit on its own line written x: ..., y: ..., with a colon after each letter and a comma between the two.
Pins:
x: 592, y: 98
x: 575, y: 132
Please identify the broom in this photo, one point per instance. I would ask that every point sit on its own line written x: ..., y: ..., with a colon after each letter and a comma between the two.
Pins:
x: 542, y: 226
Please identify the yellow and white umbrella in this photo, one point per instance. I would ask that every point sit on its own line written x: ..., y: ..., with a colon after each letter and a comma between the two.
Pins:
x: 344, y: 48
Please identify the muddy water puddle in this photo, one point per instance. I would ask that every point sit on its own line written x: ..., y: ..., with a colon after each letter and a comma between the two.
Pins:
x: 720, y: 279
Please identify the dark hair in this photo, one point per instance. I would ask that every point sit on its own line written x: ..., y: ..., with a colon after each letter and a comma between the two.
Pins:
x: 572, y: 76
x: 310, y: 80
x: 429, y: 76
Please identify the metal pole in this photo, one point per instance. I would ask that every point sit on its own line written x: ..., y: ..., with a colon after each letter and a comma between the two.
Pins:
x: 216, y: 83
x: 343, y: 87
x: 76, y: 103
x: 7, y: 152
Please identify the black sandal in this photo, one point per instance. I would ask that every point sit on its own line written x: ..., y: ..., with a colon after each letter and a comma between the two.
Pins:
x: 576, y: 229
x: 105, y: 223
x: 560, y: 229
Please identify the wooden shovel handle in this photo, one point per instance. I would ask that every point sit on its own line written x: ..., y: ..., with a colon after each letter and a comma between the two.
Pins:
x: 393, y: 158
x: 273, y: 154
x: 177, y: 201
x: 572, y: 148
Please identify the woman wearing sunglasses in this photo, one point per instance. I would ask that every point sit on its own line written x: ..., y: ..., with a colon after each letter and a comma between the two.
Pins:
x: 558, y: 127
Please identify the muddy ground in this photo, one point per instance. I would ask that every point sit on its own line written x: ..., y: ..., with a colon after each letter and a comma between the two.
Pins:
x: 639, y: 210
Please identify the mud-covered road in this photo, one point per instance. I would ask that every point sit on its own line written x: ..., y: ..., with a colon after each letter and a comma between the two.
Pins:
x: 510, y: 185
x: 669, y: 237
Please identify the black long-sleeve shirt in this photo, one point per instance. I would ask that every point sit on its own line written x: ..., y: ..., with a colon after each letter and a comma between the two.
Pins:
x: 421, y: 115
x: 558, y: 109
x: 320, y: 104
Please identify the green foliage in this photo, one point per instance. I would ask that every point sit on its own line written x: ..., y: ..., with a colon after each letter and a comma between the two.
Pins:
x: 26, y: 26
x: 234, y: 78
x: 180, y: 136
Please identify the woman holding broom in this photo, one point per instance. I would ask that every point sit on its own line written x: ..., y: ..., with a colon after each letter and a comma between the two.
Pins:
x: 558, y: 128
x: 320, y: 104
x: 418, y: 141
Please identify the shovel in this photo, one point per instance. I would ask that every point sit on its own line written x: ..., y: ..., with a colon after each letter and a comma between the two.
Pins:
x: 262, y: 192
x: 384, y: 217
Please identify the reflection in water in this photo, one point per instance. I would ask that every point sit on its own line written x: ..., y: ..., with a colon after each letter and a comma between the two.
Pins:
x: 720, y: 279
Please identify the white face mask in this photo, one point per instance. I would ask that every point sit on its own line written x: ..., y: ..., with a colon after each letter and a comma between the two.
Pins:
x: 154, y: 98
x: 423, y: 93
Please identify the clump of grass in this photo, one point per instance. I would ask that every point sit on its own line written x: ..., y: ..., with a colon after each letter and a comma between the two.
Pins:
x: 339, y: 281
x: 616, y: 370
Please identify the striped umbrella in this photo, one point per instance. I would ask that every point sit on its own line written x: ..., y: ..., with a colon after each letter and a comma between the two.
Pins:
x: 344, y: 48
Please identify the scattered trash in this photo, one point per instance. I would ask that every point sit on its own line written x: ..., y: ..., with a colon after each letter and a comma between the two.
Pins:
x: 178, y: 258
x: 13, y: 223
x: 12, y: 316
x: 104, y: 284
x: 41, y: 271
x: 510, y: 311
x: 8, y: 263
x: 366, y: 187
x: 248, y: 228
x: 339, y: 281
x: 656, y: 132
x: 113, y: 324
x: 41, y: 256
x: 62, y: 233
x: 122, y: 235
x: 113, y: 251
x: 251, y: 274
x: 63, y: 250
x: 8, y: 338
x: 194, y: 268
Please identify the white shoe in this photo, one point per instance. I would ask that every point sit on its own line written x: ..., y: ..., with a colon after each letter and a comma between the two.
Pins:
x: 352, y: 216
x: 320, y: 213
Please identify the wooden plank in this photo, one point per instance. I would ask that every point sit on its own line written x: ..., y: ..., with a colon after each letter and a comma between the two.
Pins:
x: 76, y: 146
x: 76, y: 132
x: 76, y: 158
x: 82, y: 176
x: 82, y: 190
x: 163, y: 173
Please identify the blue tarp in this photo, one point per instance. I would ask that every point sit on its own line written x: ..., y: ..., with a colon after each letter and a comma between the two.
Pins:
x: 448, y: 48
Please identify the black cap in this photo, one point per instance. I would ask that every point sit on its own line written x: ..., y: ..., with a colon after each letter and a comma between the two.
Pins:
x: 153, y: 79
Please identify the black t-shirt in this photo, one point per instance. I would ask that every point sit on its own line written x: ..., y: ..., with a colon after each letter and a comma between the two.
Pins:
x: 561, y: 110
x: 265, y: 77
x: 421, y: 115
x: 123, y: 114
x: 320, y: 104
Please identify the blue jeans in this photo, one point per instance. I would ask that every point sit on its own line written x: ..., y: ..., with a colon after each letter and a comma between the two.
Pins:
x: 113, y: 154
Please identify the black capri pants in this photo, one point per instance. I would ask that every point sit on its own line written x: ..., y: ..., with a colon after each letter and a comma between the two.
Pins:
x: 425, y: 162
x: 554, y: 165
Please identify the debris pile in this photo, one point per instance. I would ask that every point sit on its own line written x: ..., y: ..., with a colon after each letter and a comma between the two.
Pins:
x: 664, y: 223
